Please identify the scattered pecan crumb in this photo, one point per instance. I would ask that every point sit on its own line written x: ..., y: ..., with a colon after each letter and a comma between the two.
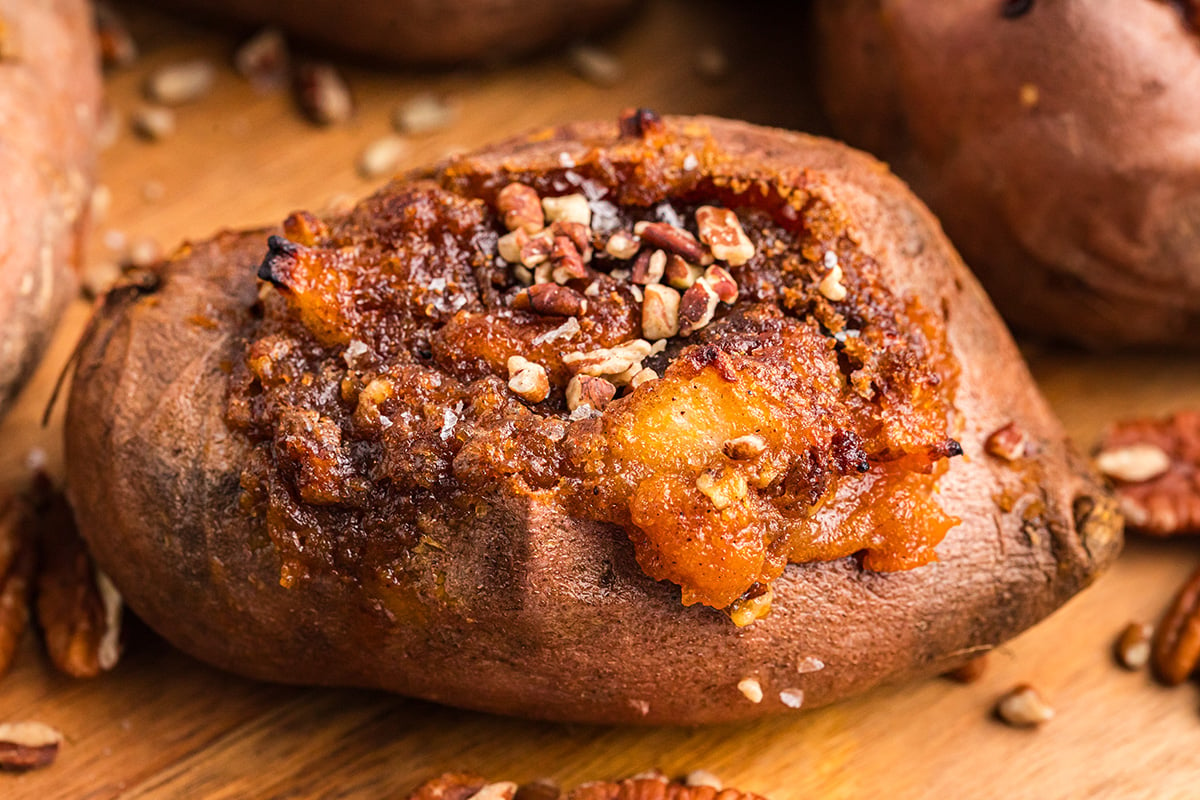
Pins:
x: 1023, y: 707
x: 323, y: 94
x: 639, y: 122
x: 382, y: 156
x: 1007, y: 443
x: 180, y: 83
x: 970, y: 671
x: 595, y: 66
x: 153, y: 123
x: 1132, y: 648
x: 752, y: 606
x: 28, y: 745
x: 1175, y: 649
x: 263, y: 60
x: 423, y: 114
x: 831, y: 286
x: 117, y: 46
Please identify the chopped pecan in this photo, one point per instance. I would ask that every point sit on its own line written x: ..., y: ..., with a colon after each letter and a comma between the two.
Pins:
x: 512, y: 245
x: 552, y: 299
x: 17, y: 562
x: 536, y: 250
x: 590, y: 391
x: 610, y: 360
x: 117, y: 47
x: 722, y: 283
x: 744, y: 448
x: 680, y: 273
x: 568, y: 208
x: 622, y: 245
x: 753, y: 605
x: 28, y: 745
x: 182, y: 82
x: 595, y: 65
x: 644, y: 375
x: 721, y: 230
x: 697, y: 307
x: 1176, y: 647
x: 78, y: 608
x: 831, y: 285
x: 1007, y: 443
x: 423, y: 114
x: 672, y: 239
x: 970, y: 671
x: 1155, y: 465
x: 660, y: 312
x: 649, y: 268
x: 751, y: 689
x: 566, y: 262
x: 579, y: 234
x: 521, y: 207
x: 527, y: 380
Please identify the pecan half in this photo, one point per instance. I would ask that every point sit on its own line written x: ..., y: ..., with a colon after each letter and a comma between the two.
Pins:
x: 17, y: 562
x: 1176, y: 647
x: 1155, y: 466
x: 78, y: 608
x: 28, y: 745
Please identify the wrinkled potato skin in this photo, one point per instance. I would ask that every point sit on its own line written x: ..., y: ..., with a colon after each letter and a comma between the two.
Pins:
x: 1060, y: 150
x: 426, y: 31
x: 533, y: 613
x: 49, y: 103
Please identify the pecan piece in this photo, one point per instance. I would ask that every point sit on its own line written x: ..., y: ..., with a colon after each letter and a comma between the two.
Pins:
x: 639, y: 122
x: 263, y: 60
x: 566, y: 262
x: 323, y: 94
x: 117, y: 47
x: 78, y: 608
x: 590, y: 391
x: 680, y: 273
x: 672, y: 239
x: 1023, y: 707
x: 649, y: 268
x: 744, y: 448
x: 527, y: 380
x: 722, y: 283
x: 1132, y: 648
x: 697, y: 307
x: 568, y: 208
x: 660, y: 312
x: 1155, y: 465
x: 1176, y: 646
x: 622, y: 246
x: 551, y: 299
x: 1007, y: 443
x: 28, y: 745
x: 521, y: 207
x: 721, y: 230
x: 969, y: 672
x: 17, y: 562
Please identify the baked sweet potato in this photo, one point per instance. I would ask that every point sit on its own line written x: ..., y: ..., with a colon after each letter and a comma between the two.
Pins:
x: 456, y: 444
x: 49, y: 102
x: 1058, y: 142
x: 424, y: 32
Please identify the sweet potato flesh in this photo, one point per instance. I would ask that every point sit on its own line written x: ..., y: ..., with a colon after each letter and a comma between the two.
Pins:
x: 376, y: 371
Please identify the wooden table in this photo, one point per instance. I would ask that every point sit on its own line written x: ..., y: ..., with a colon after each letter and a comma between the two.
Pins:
x: 162, y: 725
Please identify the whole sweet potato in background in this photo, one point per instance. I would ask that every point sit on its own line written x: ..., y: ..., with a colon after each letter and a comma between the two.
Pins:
x: 1057, y: 140
x: 426, y: 31
x: 512, y: 602
x: 49, y: 104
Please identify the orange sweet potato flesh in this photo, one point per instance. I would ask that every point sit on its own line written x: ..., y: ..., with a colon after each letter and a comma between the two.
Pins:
x: 49, y: 105
x: 503, y: 555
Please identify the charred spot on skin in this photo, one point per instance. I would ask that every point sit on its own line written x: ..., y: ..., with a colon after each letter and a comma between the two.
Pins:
x: 640, y: 122
x: 281, y: 258
x: 1011, y: 9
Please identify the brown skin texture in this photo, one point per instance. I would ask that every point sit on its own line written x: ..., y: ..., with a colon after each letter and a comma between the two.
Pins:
x: 1058, y: 148
x: 533, y: 612
x: 432, y: 32
x: 49, y: 103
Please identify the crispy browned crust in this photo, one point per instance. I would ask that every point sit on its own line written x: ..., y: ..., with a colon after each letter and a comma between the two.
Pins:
x: 49, y: 103
x: 423, y: 32
x: 534, y: 613
x: 1058, y: 148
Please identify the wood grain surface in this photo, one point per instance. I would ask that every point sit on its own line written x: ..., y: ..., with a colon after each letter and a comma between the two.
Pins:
x: 162, y: 725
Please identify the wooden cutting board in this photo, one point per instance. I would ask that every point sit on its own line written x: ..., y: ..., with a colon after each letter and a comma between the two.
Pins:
x: 162, y: 725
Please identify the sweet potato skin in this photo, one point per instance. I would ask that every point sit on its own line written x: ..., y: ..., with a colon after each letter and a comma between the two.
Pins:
x: 49, y: 104
x: 425, y: 32
x: 1058, y: 148
x: 535, y: 613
